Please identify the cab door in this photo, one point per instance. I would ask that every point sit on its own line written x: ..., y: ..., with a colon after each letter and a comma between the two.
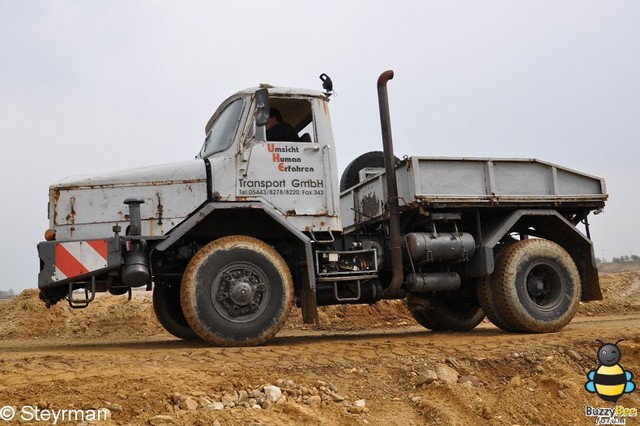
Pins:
x: 297, y: 177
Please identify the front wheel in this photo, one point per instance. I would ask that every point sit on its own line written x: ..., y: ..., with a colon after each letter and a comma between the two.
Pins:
x: 236, y: 291
x: 166, y: 305
x: 537, y: 286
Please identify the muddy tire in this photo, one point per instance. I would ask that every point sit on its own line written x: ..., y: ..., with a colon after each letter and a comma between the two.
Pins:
x: 537, y: 286
x: 236, y: 291
x: 450, y: 311
x: 417, y: 306
x: 351, y: 177
x: 166, y: 305
x: 489, y: 305
x: 487, y: 297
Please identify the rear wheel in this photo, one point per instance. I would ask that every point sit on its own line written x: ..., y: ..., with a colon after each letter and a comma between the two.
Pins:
x: 236, y: 291
x: 537, y: 286
x: 489, y: 304
x: 454, y: 311
x: 487, y: 297
x: 166, y: 305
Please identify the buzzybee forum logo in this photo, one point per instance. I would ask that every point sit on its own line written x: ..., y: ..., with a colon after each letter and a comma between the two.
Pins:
x: 610, y: 381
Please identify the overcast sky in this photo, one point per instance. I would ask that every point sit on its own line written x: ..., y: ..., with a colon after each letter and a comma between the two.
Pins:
x: 89, y: 86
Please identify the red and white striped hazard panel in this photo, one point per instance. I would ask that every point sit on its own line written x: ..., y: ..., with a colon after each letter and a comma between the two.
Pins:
x: 79, y: 257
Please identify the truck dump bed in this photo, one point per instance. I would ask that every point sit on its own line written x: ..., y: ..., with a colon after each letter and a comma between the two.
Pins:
x: 441, y: 183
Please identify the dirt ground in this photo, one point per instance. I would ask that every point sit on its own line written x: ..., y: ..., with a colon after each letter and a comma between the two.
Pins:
x: 364, y: 365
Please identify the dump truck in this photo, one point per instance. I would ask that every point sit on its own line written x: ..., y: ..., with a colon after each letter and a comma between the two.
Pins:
x: 231, y: 241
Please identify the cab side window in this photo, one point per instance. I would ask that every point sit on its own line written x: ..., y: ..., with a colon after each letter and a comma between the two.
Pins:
x: 290, y: 120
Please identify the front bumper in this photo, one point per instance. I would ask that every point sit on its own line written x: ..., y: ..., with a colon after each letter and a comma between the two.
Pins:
x: 68, y: 261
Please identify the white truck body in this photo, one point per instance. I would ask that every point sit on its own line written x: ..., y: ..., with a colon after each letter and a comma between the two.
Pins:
x: 259, y: 221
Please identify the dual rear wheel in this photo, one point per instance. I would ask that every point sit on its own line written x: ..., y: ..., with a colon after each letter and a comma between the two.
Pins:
x: 535, y: 288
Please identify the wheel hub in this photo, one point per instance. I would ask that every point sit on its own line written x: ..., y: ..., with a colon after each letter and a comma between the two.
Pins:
x: 239, y: 291
x: 544, y: 285
x: 536, y: 286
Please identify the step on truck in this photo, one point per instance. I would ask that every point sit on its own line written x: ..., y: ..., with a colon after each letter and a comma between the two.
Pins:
x: 231, y: 241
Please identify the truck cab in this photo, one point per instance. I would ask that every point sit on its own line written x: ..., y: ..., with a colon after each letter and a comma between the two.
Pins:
x: 295, y: 177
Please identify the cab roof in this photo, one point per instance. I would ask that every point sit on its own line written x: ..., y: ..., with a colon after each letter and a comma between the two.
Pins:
x: 295, y: 115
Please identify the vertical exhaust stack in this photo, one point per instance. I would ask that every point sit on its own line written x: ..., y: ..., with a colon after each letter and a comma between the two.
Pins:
x: 395, y: 243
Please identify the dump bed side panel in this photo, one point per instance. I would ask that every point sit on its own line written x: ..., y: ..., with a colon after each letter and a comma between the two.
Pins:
x: 475, y: 182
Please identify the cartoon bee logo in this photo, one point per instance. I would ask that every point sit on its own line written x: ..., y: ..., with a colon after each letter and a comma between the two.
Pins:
x: 610, y: 381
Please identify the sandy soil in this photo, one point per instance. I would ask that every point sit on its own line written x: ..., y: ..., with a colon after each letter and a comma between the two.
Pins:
x: 363, y: 365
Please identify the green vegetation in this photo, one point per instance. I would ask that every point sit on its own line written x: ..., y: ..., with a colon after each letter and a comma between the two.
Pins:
x: 624, y: 259
x: 621, y: 259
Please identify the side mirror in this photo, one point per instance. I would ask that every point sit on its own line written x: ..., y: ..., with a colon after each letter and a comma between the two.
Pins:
x: 262, y: 107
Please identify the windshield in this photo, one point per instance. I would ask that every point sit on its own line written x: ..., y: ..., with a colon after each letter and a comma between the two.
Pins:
x: 223, y: 130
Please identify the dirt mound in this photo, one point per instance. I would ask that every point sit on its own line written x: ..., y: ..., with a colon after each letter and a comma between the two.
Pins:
x: 351, y: 317
x: 25, y: 316
x: 620, y: 292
